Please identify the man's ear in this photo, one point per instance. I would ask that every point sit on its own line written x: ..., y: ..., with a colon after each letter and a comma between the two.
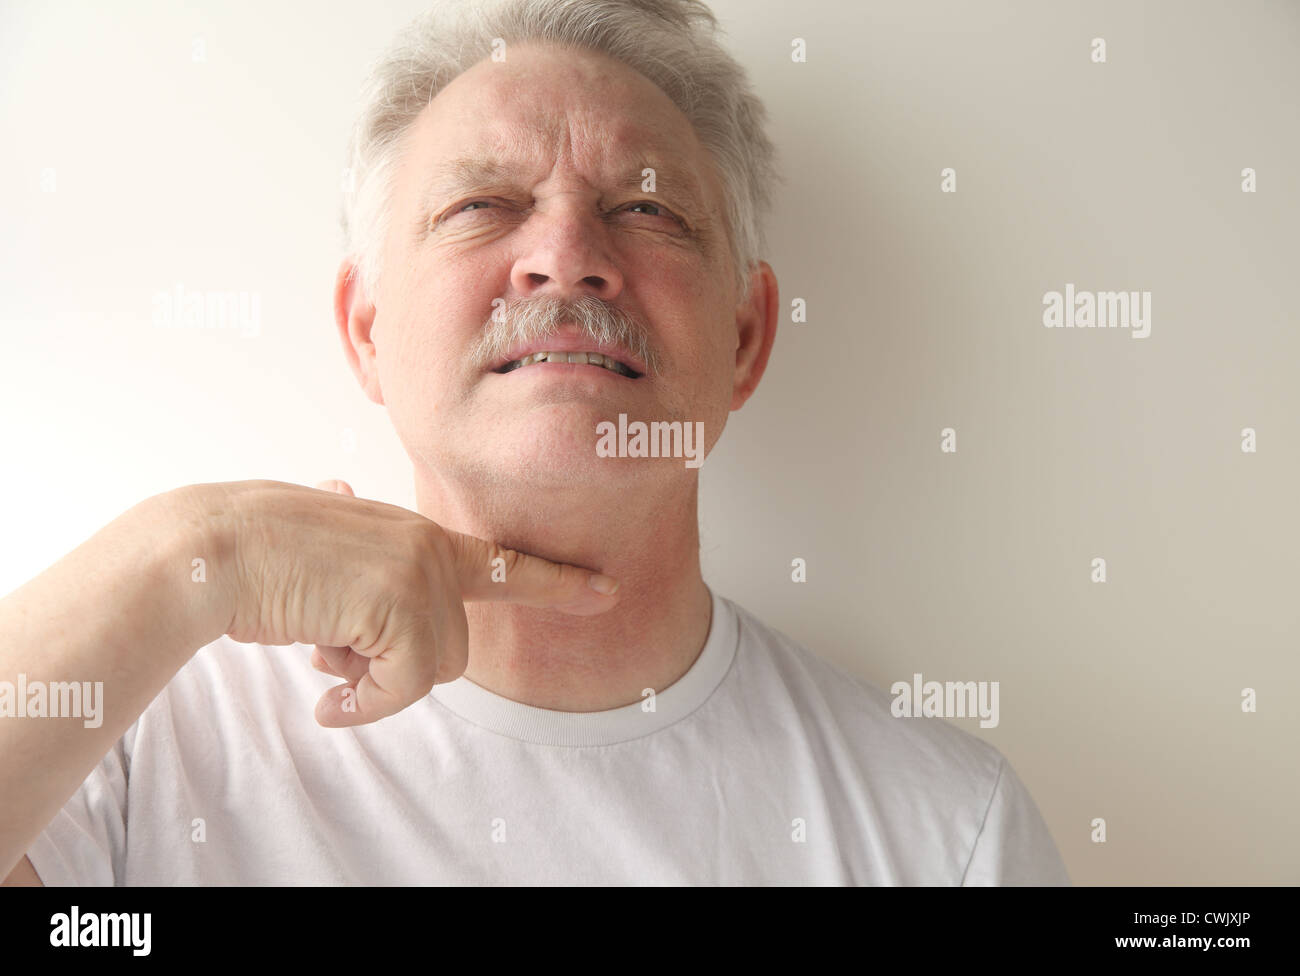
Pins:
x: 354, y: 314
x: 756, y: 328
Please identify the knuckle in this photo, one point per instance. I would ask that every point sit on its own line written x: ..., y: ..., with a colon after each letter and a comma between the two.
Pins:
x: 434, y: 548
x: 426, y: 673
x: 511, y: 559
x: 452, y: 644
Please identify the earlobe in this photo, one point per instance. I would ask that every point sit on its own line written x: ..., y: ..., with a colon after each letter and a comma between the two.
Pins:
x: 354, y: 315
x: 756, y: 327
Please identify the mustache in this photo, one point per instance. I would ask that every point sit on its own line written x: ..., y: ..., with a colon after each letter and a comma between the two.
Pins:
x: 529, y: 320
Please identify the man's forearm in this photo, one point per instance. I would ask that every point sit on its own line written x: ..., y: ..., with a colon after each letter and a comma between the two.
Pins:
x: 125, y: 608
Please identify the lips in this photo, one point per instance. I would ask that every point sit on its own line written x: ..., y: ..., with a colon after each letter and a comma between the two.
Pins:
x: 596, y: 359
x: 625, y: 362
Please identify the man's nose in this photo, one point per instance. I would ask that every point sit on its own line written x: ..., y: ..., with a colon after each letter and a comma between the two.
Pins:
x: 570, y: 255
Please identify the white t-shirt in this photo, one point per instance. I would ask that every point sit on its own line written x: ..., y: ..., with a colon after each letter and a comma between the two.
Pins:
x: 763, y: 764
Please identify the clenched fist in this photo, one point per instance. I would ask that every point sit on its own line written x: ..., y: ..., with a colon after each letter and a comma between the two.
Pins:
x: 378, y: 589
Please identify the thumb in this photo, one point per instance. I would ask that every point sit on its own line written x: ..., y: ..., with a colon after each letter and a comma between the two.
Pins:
x: 492, y: 573
x: 336, y: 486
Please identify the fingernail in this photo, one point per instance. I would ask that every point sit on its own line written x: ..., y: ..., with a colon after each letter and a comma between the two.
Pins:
x: 602, y: 584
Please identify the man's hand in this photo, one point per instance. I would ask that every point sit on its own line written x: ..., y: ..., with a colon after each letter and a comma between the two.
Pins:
x: 342, y: 656
x: 378, y: 589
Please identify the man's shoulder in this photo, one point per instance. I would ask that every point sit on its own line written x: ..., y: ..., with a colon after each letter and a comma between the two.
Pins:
x: 905, y: 778
x: 856, y: 712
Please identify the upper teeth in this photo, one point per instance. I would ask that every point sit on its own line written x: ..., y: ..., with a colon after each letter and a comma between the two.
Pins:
x: 589, y: 358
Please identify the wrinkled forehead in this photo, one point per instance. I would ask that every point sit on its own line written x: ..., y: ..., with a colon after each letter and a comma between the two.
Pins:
x: 541, y: 86
x: 546, y: 107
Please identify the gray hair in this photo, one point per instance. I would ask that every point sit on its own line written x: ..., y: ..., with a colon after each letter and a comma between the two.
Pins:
x: 670, y: 42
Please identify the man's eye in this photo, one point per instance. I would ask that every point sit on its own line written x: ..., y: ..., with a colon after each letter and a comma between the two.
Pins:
x: 659, y: 211
x: 655, y: 209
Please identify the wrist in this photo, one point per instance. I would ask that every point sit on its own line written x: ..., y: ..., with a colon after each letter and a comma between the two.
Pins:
x: 197, y: 561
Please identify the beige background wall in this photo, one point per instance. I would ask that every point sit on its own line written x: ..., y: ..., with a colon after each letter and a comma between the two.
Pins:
x: 131, y: 166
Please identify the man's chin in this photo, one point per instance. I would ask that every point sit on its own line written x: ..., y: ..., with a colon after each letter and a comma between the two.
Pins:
x: 569, y: 442
x: 566, y: 424
x: 558, y: 454
x: 536, y: 459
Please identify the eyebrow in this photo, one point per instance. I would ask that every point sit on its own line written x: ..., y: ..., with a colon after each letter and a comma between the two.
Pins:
x: 470, y: 173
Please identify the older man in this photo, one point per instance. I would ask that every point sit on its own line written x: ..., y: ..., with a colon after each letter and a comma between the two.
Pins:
x: 554, y: 229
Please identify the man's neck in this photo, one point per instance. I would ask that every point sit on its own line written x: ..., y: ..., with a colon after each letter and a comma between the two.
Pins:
x: 548, y: 659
